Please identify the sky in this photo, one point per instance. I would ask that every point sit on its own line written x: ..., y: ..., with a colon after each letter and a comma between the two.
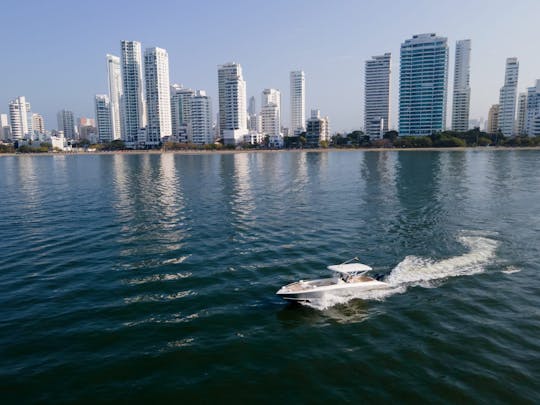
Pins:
x: 53, y: 52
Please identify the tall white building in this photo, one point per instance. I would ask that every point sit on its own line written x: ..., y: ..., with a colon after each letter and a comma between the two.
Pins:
x: 232, y: 103
x: 532, y: 125
x: 104, y: 121
x: 158, y: 98
x: 521, y: 115
x: 133, y: 106
x: 507, y: 98
x: 201, y: 119
x: 20, y: 118
x: 462, y: 89
x: 377, y: 96
x: 271, y: 116
x: 114, y: 79
x: 66, y: 123
x: 181, y: 112
x: 298, y: 102
x: 423, y: 84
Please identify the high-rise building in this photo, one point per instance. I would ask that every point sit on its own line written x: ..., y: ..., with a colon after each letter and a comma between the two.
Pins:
x: 232, y: 103
x: 492, y: 126
x: 181, y: 112
x: 38, y: 124
x: 317, y: 129
x: 158, y: 97
x: 423, y: 85
x: 532, y: 125
x: 5, y: 129
x: 114, y: 76
x: 66, y: 123
x: 133, y: 106
x: 462, y: 89
x: 201, y: 119
x: 104, y: 122
x: 298, y: 102
x: 271, y: 116
x: 521, y: 115
x: 507, y: 98
x: 252, y: 114
x: 20, y: 119
x: 377, y: 96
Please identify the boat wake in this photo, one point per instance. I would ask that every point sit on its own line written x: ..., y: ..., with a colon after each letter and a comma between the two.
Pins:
x: 425, y: 272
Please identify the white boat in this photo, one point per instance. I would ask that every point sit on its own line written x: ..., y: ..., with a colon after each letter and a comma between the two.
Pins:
x: 349, y: 279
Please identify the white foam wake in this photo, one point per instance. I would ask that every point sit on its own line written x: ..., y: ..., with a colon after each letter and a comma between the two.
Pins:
x: 425, y: 272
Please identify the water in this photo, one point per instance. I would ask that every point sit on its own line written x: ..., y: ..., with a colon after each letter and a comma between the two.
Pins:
x: 153, y: 277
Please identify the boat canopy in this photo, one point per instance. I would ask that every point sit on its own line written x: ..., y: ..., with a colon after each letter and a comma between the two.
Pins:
x: 349, y: 268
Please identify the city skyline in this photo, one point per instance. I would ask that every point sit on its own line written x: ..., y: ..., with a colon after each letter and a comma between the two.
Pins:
x: 335, y: 80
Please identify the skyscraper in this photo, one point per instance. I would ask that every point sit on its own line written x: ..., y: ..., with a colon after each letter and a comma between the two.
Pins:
x: 493, y: 119
x: 298, y: 102
x: 181, y: 112
x: 66, y: 123
x: 232, y: 103
x: 521, y: 115
x: 114, y: 76
x: 271, y: 116
x: 462, y: 89
x: 532, y: 126
x: 104, y: 121
x: 252, y: 114
x: 423, y: 85
x: 201, y: 119
x: 507, y: 98
x: 134, y: 112
x: 377, y: 96
x: 158, y: 98
x: 20, y: 118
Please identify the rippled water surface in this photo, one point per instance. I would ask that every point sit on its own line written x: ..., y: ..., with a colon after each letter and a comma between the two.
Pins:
x: 153, y: 277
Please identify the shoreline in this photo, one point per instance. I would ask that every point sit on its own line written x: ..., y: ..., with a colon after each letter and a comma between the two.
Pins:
x: 318, y: 150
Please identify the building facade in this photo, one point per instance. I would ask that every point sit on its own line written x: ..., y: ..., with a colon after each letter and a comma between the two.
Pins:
x: 317, y: 130
x: 462, y: 86
x: 423, y: 85
x: 377, y: 96
x: 158, y: 98
x: 181, y: 112
x: 492, y: 126
x: 114, y: 79
x: 532, y: 124
x: 20, y: 119
x: 5, y: 129
x: 298, y: 102
x: 201, y: 119
x: 133, y: 106
x: 38, y: 124
x: 232, y: 104
x: 521, y: 120
x: 507, y: 97
x: 104, y: 121
x: 66, y: 123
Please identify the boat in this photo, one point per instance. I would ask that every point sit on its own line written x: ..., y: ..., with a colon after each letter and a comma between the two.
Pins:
x: 348, y: 280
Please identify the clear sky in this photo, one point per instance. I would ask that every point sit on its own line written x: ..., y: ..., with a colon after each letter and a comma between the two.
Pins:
x: 53, y: 51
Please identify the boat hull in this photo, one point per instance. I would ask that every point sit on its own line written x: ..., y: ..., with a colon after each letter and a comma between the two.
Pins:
x: 340, y: 290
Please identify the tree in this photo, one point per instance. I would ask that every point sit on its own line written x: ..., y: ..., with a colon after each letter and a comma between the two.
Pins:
x: 391, y: 135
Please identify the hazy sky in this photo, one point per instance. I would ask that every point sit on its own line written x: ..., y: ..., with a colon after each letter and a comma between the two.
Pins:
x: 53, y: 51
